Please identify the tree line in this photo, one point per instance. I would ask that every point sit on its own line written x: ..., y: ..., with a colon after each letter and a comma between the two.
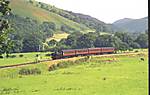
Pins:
x: 120, y: 40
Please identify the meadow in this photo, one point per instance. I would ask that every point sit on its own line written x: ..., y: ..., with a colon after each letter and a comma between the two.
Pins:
x: 116, y: 74
x: 27, y: 57
x: 58, y: 37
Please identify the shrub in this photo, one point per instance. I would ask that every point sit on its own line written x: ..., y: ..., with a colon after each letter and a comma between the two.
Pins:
x: 37, y: 55
x: 65, y: 64
x: 36, y: 71
x: 21, y: 55
x: 1, y: 56
x: 7, y: 56
x: 12, y: 56
x: 136, y: 51
x: 26, y: 71
x: 51, y: 68
x: 130, y: 49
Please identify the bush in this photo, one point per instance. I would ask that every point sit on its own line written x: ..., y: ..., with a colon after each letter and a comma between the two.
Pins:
x: 36, y: 71
x: 21, y: 55
x: 1, y: 56
x: 37, y: 55
x: 53, y: 67
x: 130, y: 49
x: 136, y: 51
x: 26, y: 71
x: 12, y: 56
x: 65, y: 64
x: 7, y: 56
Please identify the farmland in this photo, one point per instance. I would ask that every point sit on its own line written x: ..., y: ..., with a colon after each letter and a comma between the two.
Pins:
x: 30, y: 31
x: 27, y: 57
x: 120, y: 74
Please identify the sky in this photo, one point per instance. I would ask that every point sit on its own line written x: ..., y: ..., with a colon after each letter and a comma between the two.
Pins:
x: 104, y: 10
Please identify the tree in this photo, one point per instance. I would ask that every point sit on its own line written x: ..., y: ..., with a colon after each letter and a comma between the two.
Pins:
x: 124, y: 37
x: 48, y: 28
x: 8, y: 47
x: 4, y: 27
x: 65, y: 28
x: 103, y: 41
x: 115, y: 42
x: 86, y: 41
x: 32, y: 43
x: 17, y: 46
x: 142, y: 40
x: 123, y: 46
x: 52, y: 42
x: 72, y: 40
x: 4, y: 9
x: 134, y: 45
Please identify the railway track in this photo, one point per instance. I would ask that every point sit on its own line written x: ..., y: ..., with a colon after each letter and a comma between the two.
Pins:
x: 29, y: 63
x: 23, y: 64
x: 55, y: 61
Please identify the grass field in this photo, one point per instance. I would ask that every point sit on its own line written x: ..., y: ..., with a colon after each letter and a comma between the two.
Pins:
x: 126, y: 75
x: 27, y: 57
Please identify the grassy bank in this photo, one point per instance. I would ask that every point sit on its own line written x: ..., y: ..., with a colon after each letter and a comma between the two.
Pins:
x: 23, y: 58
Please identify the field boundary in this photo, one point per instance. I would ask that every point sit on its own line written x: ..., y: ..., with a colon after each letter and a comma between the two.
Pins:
x: 23, y: 64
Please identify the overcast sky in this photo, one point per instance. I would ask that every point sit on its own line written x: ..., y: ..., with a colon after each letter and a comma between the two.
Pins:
x: 104, y: 10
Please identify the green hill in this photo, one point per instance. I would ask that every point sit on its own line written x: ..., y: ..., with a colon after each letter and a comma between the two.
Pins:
x: 132, y: 25
x: 46, y: 12
x: 24, y: 8
x: 35, y: 22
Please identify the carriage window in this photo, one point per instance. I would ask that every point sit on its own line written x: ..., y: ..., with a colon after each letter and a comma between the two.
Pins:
x: 67, y: 52
x: 81, y: 50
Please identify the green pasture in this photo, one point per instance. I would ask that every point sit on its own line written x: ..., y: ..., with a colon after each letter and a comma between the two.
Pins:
x: 27, y: 57
x: 126, y: 75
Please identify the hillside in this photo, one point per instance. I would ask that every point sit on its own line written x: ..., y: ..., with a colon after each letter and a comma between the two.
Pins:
x: 24, y: 8
x: 91, y: 22
x: 131, y: 25
x: 35, y: 22
x: 46, y: 12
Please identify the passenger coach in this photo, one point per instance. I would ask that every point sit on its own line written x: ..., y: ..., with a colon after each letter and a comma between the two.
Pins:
x: 82, y: 52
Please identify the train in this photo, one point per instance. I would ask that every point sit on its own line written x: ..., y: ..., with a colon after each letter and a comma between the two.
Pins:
x: 82, y: 52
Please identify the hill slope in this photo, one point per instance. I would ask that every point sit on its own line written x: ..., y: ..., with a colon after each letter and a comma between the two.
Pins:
x: 132, y: 25
x: 26, y: 9
x: 45, y: 12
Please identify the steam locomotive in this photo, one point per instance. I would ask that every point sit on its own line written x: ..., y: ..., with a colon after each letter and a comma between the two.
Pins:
x: 82, y: 52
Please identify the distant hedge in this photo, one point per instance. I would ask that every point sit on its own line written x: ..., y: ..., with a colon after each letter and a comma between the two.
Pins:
x: 33, y: 71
